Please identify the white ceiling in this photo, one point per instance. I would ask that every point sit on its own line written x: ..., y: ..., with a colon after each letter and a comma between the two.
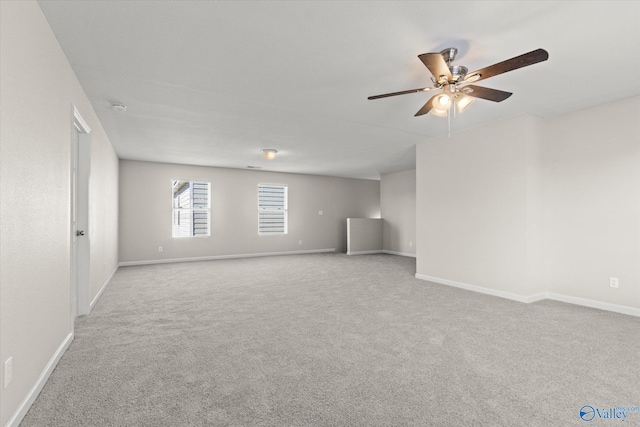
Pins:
x: 212, y: 83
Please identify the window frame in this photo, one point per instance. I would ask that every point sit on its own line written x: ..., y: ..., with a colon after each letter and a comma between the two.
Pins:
x: 200, y: 209
x: 285, y: 209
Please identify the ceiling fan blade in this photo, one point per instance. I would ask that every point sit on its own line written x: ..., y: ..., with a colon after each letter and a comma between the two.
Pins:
x: 524, y: 60
x: 436, y: 64
x: 404, y: 92
x: 426, y: 107
x: 494, y: 95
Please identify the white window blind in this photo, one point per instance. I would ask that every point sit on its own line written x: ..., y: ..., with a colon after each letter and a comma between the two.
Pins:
x: 272, y: 209
x: 191, y: 208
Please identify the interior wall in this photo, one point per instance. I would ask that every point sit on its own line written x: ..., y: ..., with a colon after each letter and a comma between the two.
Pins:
x: 529, y: 205
x: 364, y: 236
x: 398, y: 208
x: 38, y: 89
x: 474, y: 211
x: 592, y: 169
x: 103, y: 209
x: 145, y: 211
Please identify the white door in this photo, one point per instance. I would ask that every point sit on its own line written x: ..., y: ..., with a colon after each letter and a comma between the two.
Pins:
x: 80, y: 249
x: 74, y: 221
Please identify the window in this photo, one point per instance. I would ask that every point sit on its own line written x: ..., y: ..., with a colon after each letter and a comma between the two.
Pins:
x: 190, y: 208
x: 272, y: 209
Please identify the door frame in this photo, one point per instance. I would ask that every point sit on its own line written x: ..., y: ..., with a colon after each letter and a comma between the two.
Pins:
x: 80, y: 301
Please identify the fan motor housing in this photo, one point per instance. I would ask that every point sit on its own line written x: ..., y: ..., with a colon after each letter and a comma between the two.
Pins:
x: 458, y: 72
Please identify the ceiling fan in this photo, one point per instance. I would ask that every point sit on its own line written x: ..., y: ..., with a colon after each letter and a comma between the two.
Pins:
x: 454, y: 80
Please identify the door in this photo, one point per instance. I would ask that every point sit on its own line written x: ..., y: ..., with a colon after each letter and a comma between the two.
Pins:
x: 80, y: 244
x: 74, y: 221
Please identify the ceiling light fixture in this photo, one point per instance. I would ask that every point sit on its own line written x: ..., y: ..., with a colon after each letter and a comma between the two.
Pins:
x: 451, y: 99
x: 269, y: 153
x: 463, y: 101
x: 446, y: 101
x: 121, y: 108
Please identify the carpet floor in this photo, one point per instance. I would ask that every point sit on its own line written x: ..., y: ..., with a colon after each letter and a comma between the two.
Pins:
x: 333, y: 340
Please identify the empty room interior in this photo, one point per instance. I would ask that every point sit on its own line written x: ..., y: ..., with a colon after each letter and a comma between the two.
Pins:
x: 305, y: 213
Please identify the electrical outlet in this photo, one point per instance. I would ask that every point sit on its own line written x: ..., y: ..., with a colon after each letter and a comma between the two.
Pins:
x: 299, y: 242
x: 410, y: 244
x: 319, y: 212
x: 8, y: 371
x: 613, y: 282
x: 159, y: 248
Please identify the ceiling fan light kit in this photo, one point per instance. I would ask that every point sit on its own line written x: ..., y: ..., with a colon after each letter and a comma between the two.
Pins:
x: 453, y: 81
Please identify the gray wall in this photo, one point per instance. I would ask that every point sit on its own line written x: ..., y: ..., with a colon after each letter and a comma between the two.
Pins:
x: 592, y: 214
x: 476, y: 207
x: 38, y: 90
x: 364, y: 235
x: 528, y: 205
x: 398, y: 208
x: 145, y: 211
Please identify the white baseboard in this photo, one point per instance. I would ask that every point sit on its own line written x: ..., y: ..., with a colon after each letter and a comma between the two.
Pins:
x: 595, y: 304
x: 215, y: 257
x: 364, y: 252
x: 488, y: 291
x: 381, y: 251
x: 104, y: 286
x: 384, y: 251
x: 535, y: 297
x: 24, y: 407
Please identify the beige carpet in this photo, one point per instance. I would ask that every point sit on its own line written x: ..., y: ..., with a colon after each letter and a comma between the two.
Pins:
x: 333, y: 340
